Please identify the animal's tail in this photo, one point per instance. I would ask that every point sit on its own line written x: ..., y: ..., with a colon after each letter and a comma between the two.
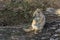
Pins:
x: 28, y: 30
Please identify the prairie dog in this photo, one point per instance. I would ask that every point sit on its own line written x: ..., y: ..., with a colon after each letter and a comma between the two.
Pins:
x: 38, y: 21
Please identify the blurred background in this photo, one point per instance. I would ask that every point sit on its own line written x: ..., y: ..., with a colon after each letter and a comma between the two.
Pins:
x: 15, y: 12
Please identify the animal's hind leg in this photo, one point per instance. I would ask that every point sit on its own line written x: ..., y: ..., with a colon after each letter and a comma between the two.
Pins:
x: 35, y: 31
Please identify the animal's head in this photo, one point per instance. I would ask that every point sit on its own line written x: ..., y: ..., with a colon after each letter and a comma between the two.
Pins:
x: 37, y: 12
